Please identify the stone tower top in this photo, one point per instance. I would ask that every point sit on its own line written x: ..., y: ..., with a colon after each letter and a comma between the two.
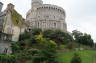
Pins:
x: 36, y: 3
x: 10, y: 6
x: 1, y: 5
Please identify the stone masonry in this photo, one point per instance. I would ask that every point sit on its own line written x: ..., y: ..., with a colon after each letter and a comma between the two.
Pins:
x: 46, y: 16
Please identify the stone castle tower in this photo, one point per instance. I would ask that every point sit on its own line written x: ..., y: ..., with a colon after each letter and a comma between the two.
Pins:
x: 46, y: 16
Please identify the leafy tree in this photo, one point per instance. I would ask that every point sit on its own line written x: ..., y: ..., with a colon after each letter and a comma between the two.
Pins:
x: 48, y: 33
x: 58, y: 36
x: 76, y: 35
x: 86, y: 40
x: 83, y: 38
x: 36, y: 31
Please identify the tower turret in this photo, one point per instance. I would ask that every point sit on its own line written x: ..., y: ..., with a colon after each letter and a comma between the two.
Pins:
x: 1, y: 5
x: 36, y: 3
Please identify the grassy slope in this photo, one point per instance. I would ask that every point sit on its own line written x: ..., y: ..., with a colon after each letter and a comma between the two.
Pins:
x: 86, y: 56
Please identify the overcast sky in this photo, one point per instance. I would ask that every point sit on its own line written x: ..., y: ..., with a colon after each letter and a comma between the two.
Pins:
x: 80, y: 14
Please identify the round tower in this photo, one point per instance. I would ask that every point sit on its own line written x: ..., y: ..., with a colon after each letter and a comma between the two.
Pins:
x: 36, y: 3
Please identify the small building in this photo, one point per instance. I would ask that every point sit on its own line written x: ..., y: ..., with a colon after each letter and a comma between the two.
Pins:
x: 11, y: 26
x: 13, y: 22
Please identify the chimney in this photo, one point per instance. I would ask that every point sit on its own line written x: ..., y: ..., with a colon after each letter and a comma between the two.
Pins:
x: 10, y: 6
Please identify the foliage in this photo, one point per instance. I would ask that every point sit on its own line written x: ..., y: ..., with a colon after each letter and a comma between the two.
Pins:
x: 83, y: 38
x: 36, y: 31
x: 86, y: 40
x: 48, y: 33
x: 17, y: 18
x: 4, y: 58
x: 39, y: 46
x: 76, y: 34
x: 47, y: 51
x: 33, y: 46
x: 39, y: 37
x: 15, y: 47
x: 24, y: 36
x: 76, y: 58
x: 58, y: 36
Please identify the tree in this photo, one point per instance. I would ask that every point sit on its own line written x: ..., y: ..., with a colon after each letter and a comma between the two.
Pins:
x: 95, y: 45
x: 86, y: 40
x: 83, y: 38
x: 36, y: 48
x: 36, y: 31
x: 76, y: 35
x: 76, y: 59
x: 47, y: 48
x: 48, y: 33
x: 58, y: 36
x: 25, y: 36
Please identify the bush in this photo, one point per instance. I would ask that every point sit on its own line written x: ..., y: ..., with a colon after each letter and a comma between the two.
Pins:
x: 4, y: 58
x: 76, y: 59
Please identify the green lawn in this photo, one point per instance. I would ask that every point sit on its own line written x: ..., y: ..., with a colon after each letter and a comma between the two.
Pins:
x: 86, y: 56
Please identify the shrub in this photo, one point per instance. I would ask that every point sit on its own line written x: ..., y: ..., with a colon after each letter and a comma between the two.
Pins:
x: 4, y: 58
x: 76, y: 59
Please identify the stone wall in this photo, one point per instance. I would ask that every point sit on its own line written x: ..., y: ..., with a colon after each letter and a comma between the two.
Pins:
x: 5, y: 47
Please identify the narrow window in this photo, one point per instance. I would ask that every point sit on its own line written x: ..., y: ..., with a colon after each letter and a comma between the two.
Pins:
x: 54, y: 24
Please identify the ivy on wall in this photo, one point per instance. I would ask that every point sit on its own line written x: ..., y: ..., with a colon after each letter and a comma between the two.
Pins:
x: 17, y: 18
